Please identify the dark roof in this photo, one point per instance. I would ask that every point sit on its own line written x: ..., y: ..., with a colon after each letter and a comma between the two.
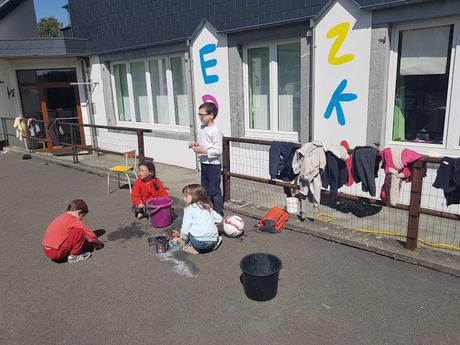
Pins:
x: 112, y: 25
x: 43, y: 47
x: 7, y: 6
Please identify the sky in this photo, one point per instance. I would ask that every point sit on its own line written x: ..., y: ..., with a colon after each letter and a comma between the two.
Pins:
x: 51, y: 8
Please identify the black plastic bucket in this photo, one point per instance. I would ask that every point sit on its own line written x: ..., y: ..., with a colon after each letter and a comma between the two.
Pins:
x: 260, y: 276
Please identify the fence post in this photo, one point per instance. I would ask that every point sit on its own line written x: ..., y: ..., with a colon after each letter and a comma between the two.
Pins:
x: 140, y: 144
x: 226, y: 177
x: 417, y: 174
x: 5, y: 132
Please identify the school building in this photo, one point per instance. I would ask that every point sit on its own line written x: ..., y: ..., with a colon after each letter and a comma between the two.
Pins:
x: 369, y: 72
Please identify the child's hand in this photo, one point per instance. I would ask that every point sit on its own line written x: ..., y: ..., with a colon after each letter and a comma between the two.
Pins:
x: 199, y: 149
x: 175, y: 233
x: 141, y: 205
x: 98, y: 244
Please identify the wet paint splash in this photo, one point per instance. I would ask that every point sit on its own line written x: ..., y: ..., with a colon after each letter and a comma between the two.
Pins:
x: 181, y: 265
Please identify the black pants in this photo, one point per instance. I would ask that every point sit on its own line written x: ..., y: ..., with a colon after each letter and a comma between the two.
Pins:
x: 210, y: 180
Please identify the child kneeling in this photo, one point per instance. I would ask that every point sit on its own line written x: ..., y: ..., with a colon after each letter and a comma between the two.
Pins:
x: 68, y: 237
x: 199, y: 224
x: 147, y: 187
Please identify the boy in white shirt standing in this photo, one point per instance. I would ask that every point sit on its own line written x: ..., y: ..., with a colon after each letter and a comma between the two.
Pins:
x: 209, y: 150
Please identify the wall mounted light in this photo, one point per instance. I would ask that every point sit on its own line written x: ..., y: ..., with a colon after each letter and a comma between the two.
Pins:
x: 11, y: 93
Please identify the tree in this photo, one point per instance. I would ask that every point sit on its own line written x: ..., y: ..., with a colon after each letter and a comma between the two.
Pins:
x: 49, y: 27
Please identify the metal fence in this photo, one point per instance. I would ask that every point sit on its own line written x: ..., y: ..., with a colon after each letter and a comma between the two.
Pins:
x: 420, y: 217
x: 73, y: 138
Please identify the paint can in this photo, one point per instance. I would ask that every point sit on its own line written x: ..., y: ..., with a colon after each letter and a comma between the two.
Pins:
x: 292, y: 205
x: 161, y: 244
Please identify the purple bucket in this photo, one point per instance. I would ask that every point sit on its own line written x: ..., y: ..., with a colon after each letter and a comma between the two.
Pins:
x: 160, y: 212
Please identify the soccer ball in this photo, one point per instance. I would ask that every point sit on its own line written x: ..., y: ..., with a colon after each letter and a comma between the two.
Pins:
x: 233, y: 226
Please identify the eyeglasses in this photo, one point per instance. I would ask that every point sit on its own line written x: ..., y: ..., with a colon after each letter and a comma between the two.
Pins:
x: 202, y: 115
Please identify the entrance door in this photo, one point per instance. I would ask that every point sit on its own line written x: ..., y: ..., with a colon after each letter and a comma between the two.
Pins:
x: 48, y: 96
x: 60, y: 105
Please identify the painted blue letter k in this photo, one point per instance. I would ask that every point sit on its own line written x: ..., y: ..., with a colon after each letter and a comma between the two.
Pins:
x: 336, y: 98
x: 205, y: 64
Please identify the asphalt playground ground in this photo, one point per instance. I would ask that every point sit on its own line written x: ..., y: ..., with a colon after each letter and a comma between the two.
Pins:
x: 328, y: 293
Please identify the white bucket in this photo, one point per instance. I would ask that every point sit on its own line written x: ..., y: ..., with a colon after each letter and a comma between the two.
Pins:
x: 292, y: 205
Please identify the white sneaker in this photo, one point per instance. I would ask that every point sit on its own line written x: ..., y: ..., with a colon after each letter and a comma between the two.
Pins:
x: 72, y: 259
x: 140, y: 215
x: 219, y: 241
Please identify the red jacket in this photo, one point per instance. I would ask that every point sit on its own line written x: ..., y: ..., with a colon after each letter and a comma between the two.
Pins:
x: 144, y: 191
x: 59, y: 229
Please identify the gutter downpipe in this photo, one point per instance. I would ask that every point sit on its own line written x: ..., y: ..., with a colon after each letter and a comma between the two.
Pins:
x: 88, y: 91
x: 311, y: 41
x: 192, y: 80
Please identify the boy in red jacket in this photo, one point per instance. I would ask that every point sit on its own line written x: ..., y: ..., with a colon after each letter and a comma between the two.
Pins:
x: 67, y: 235
x: 146, y: 187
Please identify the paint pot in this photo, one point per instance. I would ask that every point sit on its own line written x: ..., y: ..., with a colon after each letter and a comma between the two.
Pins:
x: 161, y: 244
x: 292, y: 205
x: 160, y: 212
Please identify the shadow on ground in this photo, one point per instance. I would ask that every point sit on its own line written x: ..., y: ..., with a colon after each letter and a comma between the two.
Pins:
x: 134, y: 230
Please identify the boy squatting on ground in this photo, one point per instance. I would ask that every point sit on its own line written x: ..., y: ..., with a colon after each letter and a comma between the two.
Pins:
x: 146, y: 187
x: 68, y: 237
x: 209, y: 150
x: 199, y: 229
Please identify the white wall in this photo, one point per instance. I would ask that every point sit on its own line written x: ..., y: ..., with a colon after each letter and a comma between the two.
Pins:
x: 20, y: 23
x: 9, y: 107
x: 341, y: 68
x: 210, y: 82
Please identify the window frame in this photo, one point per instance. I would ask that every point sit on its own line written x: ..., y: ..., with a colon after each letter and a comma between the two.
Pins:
x: 273, y: 87
x: 172, y: 126
x: 452, y: 112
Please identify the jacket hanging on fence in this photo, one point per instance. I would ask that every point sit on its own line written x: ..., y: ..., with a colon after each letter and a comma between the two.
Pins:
x: 365, y: 167
x: 280, y: 161
x: 309, y: 162
x: 20, y: 124
x: 448, y: 179
x: 54, y: 129
x: 335, y: 174
x: 395, y: 163
x: 34, y: 128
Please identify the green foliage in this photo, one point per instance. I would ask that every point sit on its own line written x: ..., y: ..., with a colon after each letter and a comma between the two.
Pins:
x: 49, y: 27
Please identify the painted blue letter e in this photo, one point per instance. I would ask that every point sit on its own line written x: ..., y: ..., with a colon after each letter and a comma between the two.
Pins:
x: 208, y: 48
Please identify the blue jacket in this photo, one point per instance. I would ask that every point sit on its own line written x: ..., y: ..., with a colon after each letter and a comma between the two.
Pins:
x: 448, y: 179
x: 280, y: 160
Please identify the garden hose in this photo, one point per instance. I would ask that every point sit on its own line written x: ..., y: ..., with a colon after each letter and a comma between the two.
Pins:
x: 327, y: 218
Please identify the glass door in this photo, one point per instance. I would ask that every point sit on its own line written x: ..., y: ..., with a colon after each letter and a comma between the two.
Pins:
x: 60, y: 106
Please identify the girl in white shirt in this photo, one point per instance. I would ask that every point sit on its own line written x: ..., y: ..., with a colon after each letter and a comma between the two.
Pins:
x: 199, y: 224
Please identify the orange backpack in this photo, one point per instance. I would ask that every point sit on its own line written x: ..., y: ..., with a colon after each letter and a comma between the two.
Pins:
x: 273, y: 220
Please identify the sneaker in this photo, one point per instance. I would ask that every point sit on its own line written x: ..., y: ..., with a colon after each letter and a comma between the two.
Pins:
x: 219, y: 241
x: 189, y: 249
x: 140, y: 215
x: 79, y: 257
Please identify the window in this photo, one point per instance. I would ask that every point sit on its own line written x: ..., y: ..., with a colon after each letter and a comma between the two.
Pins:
x: 423, y: 107
x: 272, y: 75
x: 121, y: 90
x: 422, y: 83
x: 152, y: 91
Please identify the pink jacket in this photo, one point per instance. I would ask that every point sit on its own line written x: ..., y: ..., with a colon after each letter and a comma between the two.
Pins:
x: 395, y: 164
x: 396, y: 161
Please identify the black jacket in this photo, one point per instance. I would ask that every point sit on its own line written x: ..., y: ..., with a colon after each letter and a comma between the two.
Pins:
x: 448, y: 179
x: 335, y: 174
x: 280, y: 160
x: 365, y: 167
